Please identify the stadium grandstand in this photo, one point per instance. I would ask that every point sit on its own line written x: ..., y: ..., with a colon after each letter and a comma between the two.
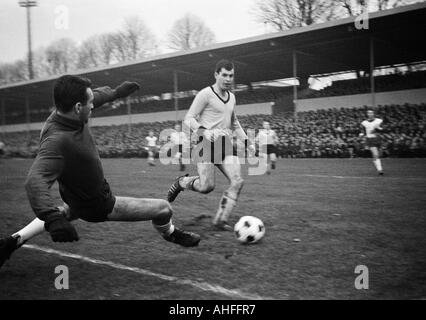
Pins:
x: 381, y: 67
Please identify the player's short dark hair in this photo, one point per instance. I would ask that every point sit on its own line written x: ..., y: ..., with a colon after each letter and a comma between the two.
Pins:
x: 224, y: 64
x: 69, y: 90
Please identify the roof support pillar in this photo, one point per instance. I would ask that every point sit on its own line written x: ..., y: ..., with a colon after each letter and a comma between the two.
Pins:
x: 129, y: 114
x: 3, y: 112
x: 295, y: 78
x: 372, y: 82
x: 27, y: 115
x: 3, y: 115
x: 175, y: 93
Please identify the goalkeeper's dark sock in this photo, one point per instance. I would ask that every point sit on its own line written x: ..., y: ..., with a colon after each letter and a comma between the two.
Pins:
x: 7, y: 246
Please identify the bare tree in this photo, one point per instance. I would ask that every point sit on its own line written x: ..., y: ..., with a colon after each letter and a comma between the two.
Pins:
x: 18, y: 70
x: 61, y: 56
x: 134, y: 41
x: 119, y: 51
x: 287, y: 14
x: 106, y: 48
x: 356, y: 7
x: 41, y: 65
x: 350, y: 7
x: 89, y: 54
x: 14, y: 72
x: 190, y: 32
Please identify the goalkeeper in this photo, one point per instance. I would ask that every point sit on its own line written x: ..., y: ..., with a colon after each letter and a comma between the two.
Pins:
x: 67, y: 154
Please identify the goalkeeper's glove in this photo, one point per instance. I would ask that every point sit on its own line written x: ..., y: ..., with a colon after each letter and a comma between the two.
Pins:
x: 125, y: 89
x: 60, y: 229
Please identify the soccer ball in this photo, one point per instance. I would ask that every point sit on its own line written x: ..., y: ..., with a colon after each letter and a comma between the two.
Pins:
x: 249, y: 230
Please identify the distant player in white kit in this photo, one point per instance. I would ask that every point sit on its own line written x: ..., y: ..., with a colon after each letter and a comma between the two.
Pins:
x: 212, y: 116
x: 267, y: 140
x: 179, y: 138
x: 1, y: 148
x: 151, y: 147
x: 370, y: 128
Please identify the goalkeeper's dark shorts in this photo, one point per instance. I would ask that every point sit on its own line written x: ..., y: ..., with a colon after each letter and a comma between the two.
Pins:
x: 213, y: 152
x: 96, y: 210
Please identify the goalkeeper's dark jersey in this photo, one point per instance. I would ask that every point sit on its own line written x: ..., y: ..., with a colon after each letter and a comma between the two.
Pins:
x: 67, y: 154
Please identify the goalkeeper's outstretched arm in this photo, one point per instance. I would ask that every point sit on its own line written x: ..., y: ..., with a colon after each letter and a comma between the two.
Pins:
x: 104, y: 95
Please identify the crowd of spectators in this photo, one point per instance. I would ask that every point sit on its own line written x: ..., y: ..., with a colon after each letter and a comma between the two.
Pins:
x: 120, y: 141
x: 321, y: 133
x: 335, y: 132
x: 20, y: 144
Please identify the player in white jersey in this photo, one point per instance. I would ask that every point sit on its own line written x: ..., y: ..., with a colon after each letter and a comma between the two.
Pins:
x: 1, y: 148
x: 179, y: 138
x: 370, y: 128
x: 212, y: 116
x: 151, y: 147
x: 267, y: 140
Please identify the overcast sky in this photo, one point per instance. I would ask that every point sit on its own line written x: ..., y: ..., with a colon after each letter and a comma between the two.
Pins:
x: 229, y: 20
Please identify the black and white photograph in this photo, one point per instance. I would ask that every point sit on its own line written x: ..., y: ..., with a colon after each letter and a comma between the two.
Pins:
x: 212, y: 154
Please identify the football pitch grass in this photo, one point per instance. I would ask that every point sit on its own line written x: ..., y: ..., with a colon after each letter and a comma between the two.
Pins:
x: 323, y: 218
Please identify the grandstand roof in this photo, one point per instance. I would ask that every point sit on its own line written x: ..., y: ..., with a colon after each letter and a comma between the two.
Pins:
x: 325, y: 48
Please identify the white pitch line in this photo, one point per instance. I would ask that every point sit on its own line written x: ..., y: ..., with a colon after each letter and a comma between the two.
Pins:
x: 237, y: 294
x: 325, y: 176
x: 355, y: 177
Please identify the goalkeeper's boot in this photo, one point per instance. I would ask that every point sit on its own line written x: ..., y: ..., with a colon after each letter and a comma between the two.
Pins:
x: 7, y: 246
x: 175, y: 189
x: 183, y: 238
